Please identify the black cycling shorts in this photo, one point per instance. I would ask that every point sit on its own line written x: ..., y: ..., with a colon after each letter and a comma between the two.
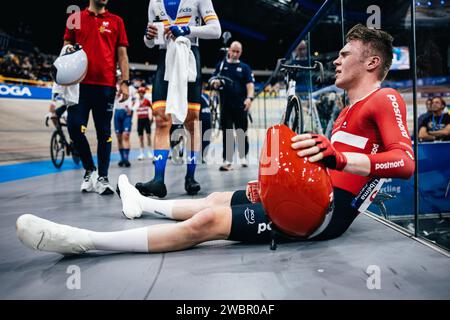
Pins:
x: 159, y: 94
x: 251, y: 224
x: 144, y: 125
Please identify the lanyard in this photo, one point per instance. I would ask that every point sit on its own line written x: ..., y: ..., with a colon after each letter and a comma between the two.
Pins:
x: 439, y: 124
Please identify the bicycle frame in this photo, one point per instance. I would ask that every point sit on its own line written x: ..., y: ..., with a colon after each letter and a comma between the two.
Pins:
x: 59, y: 128
x: 291, y: 90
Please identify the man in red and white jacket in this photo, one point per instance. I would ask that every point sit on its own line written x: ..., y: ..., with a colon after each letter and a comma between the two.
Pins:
x: 102, y: 35
x: 144, y: 113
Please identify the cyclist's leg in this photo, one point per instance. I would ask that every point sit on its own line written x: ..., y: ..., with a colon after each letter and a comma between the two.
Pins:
x: 163, y: 122
x: 192, y: 122
x: 127, y: 124
x: 140, y: 132
x: 194, y: 106
x: 148, y: 130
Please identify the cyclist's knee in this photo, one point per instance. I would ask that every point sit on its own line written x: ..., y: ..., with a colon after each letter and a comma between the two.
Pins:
x: 192, y: 116
x: 126, y: 136
x: 163, y: 122
x: 202, y: 224
x: 192, y: 123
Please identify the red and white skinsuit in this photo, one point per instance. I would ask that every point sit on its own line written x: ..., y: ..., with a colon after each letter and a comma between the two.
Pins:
x: 376, y: 126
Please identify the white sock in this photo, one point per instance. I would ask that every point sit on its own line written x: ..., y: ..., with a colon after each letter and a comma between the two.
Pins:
x: 133, y: 240
x: 142, y: 150
x: 157, y: 207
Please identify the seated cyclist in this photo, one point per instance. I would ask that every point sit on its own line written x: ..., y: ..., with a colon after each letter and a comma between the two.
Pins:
x: 370, y: 139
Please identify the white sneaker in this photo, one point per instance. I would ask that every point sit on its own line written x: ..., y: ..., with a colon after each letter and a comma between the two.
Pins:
x: 90, y: 179
x: 150, y: 155
x: 102, y: 186
x: 131, y: 207
x: 141, y: 156
x: 227, y: 166
x: 244, y: 163
x: 43, y: 235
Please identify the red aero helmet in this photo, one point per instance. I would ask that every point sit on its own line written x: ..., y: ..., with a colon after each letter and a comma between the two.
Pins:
x: 295, y: 193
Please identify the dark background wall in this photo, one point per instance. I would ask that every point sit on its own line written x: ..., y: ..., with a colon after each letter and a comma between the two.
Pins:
x: 267, y: 28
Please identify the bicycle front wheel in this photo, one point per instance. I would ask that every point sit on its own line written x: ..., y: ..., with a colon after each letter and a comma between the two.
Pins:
x: 57, y: 151
x: 293, y: 117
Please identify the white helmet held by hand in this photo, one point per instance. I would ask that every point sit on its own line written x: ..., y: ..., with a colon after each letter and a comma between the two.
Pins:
x: 70, y: 67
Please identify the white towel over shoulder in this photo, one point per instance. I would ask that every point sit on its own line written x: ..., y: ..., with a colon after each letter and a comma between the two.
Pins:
x: 180, y: 69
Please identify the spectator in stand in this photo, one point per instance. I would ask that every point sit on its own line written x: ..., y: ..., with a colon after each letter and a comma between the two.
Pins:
x: 426, y: 114
x: 435, y: 126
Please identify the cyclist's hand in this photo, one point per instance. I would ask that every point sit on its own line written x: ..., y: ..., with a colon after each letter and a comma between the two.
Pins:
x: 174, y: 32
x: 168, y: 33
x: 319, y: 148
x: 151, y: 32
x: 247, y: 104
x: 124, y: 91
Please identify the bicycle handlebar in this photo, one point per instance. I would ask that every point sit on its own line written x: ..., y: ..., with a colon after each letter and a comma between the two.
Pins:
x: 222, y: 80
x: 278, y: 66
x: 59, y: 123
x: 290, y: 68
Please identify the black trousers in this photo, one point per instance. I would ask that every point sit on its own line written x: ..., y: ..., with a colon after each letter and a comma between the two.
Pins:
x: 237, y: 119
x: 99, y: 99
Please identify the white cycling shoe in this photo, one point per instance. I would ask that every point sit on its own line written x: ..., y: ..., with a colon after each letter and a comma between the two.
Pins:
x: 131, y: 206
x: 44, y: 235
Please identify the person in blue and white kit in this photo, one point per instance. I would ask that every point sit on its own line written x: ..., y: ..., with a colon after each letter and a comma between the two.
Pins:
x: 180, y: 18
x: 123, y: 116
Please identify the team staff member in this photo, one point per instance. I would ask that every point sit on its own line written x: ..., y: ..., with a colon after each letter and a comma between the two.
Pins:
x: 236, y: 99
x: 103, y: 37
x: 370, y: 140
x: 145, y: 119
x: 180, y: 18
x: 123, y: 117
